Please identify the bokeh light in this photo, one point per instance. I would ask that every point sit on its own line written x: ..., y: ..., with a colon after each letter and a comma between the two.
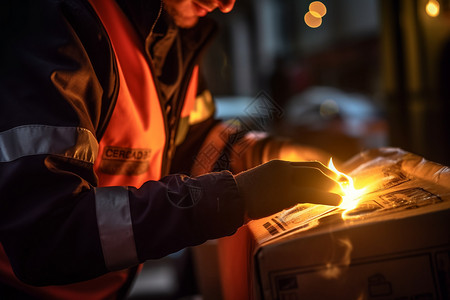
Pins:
x: 312, y: 21
x: 313, y: 18
x: 432, y: 8
x: 318, y: 8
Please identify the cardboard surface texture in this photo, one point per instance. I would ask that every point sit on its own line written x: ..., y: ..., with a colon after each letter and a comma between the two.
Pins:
x: 394, y: 245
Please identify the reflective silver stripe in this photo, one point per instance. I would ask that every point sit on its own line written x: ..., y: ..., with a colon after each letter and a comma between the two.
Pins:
x: 73, y: 142
x: 115, y: 227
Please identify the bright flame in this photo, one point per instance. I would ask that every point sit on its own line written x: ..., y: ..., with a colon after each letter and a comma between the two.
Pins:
x: 351, y: 195
x: 432, y: 8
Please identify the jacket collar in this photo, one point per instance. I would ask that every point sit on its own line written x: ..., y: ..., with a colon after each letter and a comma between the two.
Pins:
x: 172, y: 50
x: 144, y: 13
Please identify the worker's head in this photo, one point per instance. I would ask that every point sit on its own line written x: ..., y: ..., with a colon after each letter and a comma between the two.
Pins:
x: 186, y: 12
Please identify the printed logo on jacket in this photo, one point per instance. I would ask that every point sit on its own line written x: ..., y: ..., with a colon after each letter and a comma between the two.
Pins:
x: 125, y: 161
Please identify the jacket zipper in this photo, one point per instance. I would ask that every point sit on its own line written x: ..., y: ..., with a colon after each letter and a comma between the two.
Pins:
x: 181, y: 98
x: 164, y: 170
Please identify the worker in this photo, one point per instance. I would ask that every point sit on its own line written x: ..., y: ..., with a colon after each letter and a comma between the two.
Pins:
x: 106, y: 134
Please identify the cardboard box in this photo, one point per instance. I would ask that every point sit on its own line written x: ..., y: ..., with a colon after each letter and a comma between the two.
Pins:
x: 394, y: 245
x: 400, y: 256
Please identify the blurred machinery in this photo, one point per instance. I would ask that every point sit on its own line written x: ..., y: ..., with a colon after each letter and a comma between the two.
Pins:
x: 394, y: 52
x: 416, y: 75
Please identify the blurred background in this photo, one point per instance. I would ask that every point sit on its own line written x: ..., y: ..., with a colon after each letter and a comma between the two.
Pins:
x: 346, y: 75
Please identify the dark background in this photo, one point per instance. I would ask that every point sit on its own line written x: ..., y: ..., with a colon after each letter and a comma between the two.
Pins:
x: 382, y: 64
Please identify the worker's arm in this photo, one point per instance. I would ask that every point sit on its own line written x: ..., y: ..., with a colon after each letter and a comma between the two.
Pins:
x: 56, y: 225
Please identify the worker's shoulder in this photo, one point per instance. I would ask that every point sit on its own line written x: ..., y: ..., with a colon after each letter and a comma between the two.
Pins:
x: 49, y: 17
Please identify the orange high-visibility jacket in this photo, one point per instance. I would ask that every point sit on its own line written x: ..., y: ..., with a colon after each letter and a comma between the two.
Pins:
x: 89, y: 126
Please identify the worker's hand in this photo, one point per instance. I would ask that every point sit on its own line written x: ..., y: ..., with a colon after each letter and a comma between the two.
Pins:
x: 276, y: 185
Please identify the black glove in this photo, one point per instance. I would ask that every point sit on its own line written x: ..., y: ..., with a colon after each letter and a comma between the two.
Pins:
x: 276, y: 185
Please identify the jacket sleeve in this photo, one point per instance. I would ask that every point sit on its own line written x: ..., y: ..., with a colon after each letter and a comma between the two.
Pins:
x: 56, y: 226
